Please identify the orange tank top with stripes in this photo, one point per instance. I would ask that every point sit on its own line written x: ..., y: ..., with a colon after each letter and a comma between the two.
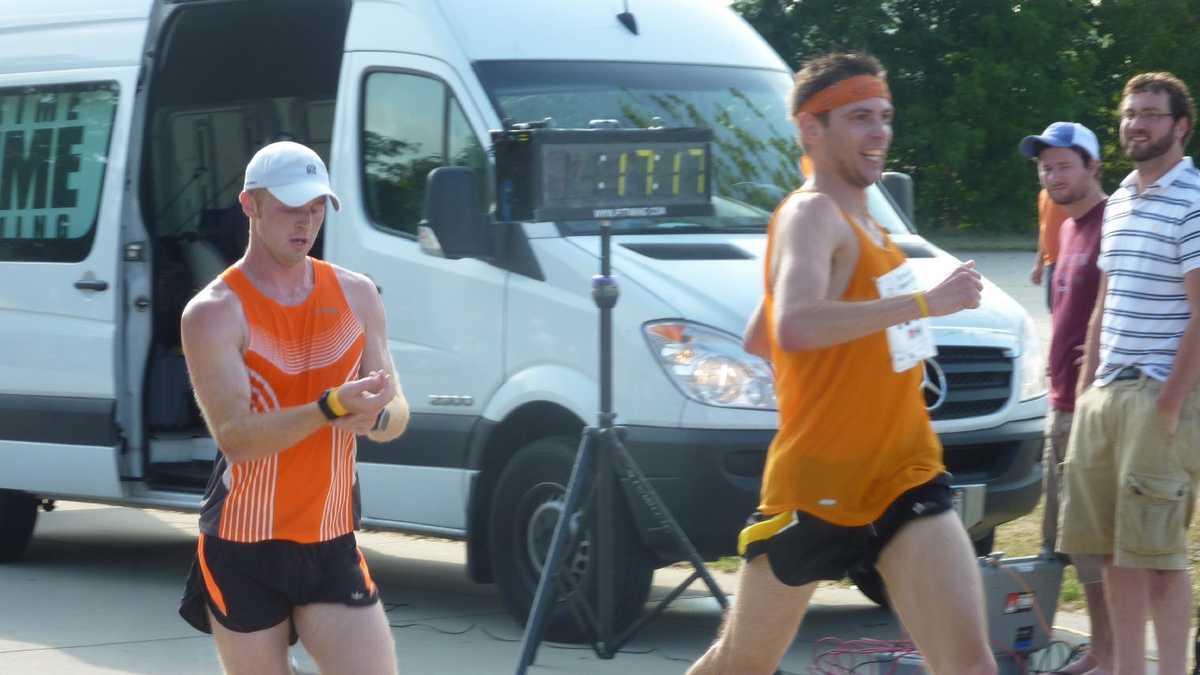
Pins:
x: 853, y: 433
x: 305, y: 493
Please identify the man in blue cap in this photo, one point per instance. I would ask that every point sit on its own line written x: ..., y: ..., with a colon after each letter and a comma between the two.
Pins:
x: 1068, y: 166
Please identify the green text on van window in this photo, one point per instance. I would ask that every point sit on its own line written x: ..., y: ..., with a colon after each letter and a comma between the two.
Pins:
x: 54, y: 145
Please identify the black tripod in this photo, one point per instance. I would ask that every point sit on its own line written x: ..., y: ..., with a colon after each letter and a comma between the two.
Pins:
x: 603, y: 457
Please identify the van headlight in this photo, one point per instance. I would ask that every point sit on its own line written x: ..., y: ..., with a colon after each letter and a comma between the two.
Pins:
x: 1033, y: 363
x: 710, y: 366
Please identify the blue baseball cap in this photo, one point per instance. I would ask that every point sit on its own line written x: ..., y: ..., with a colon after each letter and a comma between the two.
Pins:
x: 1062, y: 135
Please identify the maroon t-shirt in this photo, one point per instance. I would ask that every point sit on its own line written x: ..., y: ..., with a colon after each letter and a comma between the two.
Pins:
x: 1076, y: 282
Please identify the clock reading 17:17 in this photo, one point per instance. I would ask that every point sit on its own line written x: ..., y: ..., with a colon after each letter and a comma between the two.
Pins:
x: 671, y: 174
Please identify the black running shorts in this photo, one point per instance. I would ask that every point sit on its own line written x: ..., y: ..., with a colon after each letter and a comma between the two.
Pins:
x: 251, y: 587
x: 802, y: 548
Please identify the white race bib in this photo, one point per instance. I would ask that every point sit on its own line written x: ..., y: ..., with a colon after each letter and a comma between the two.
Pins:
x: 910, y: 342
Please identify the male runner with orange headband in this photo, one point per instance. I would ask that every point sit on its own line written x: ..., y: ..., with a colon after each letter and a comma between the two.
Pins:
x: 854, y: 475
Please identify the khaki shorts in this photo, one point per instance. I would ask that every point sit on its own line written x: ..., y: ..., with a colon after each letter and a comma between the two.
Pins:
x: 1128, y: 486
x: 1088, y: 568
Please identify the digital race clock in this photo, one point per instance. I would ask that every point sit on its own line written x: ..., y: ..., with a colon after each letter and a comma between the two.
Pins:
x: 596, y: 174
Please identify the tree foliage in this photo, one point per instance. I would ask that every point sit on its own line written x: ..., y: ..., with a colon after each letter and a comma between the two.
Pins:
x: 970, y: 78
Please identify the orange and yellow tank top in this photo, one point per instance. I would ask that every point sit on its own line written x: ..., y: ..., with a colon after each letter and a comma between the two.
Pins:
x: 853, y: 433
x: 305, y: 493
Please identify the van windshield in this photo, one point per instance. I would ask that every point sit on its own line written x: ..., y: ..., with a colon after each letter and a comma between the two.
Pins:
x: 754, y: 150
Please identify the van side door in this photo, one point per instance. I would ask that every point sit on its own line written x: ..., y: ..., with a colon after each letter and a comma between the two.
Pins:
x: 63, y: 137
x: 399, y: 117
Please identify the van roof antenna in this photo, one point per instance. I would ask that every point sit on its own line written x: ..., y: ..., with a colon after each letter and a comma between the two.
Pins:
x: 626, y: 18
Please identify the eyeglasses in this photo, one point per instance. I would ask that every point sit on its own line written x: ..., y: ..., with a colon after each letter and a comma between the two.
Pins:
x: 1145, y: 115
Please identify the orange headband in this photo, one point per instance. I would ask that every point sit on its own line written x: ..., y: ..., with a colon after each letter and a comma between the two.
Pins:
x: 845, y: 92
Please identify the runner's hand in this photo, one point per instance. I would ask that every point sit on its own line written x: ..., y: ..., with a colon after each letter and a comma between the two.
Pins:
x: 959, y: 291
x: 367, y: 395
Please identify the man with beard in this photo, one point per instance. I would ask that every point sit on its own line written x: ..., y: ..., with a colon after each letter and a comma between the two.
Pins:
x: 840, y: 320
x: 1132, y: 463
x: 1068, y: 164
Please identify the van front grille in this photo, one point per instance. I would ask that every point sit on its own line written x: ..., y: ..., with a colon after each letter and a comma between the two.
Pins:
x: 965, y: 382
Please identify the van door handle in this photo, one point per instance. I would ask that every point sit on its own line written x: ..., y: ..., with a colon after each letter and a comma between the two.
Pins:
x: 91, y: 285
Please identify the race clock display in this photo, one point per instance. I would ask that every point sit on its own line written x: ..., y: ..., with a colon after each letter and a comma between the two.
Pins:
x: 596, y: 174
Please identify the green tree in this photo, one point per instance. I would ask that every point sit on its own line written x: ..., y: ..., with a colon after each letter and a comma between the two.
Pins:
x: 1140, y: 36
x: 969, y: 79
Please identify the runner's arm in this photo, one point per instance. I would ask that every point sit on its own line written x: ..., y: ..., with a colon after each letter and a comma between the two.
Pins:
x: 393, y: 419
x: 755, y: 340
x: 212, y: 328
x: 811, y: 232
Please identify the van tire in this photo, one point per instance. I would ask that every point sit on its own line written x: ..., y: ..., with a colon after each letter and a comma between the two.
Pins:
x: 985, y: 544
x: 521, y: 525
x: 18, y: 514
x: 871, y: 585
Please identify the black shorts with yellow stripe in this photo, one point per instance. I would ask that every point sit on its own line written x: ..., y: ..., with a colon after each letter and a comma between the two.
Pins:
x: 254, y: 586
x: 802, y: 548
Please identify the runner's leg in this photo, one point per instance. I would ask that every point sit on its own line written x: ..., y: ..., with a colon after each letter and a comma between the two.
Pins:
x: 934, y: 585
x: 346, y: 640
x: 760, y: 625
x: 263, y: 652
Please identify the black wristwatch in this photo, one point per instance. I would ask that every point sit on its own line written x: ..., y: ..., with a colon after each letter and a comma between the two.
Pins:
x: 381, y: 421
x: 323, y: 404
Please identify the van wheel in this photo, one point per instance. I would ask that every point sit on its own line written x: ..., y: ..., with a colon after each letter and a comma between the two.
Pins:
x: 18, y: 513
x: 526, y: 507
x: 985, y: 544
x: 870, y: 584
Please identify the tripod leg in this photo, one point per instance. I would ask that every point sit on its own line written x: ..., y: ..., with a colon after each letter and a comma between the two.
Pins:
x: 638, y: 485
x: 604, y: 536
x: 545, y: 588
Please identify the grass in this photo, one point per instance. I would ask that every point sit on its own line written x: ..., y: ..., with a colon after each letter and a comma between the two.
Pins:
x: 1023, y: 536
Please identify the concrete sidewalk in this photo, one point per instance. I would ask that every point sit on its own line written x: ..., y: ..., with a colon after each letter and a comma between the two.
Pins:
x: 98, y: 591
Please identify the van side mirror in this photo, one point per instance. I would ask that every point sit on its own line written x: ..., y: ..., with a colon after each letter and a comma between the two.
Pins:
x: 454, y: 223
x: 900, y: 187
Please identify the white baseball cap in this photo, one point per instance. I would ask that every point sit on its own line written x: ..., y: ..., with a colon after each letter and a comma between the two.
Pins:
x: 1062, y: 135
x: 292, y: 172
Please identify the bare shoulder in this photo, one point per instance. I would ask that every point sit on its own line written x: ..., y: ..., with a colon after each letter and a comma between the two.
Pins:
x: 360, y: 292
x: 213, y: 315
x: 355, y: 283
x: 811, y: 215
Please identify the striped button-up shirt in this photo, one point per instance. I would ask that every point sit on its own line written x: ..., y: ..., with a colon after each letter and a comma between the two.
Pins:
x: 1150, y: 240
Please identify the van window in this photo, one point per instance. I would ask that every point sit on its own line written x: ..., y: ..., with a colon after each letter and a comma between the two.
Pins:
x: 411, y: 125
x: 55, y: 149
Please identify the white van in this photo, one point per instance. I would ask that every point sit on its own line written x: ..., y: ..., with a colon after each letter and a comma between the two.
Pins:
x: 126, y: 124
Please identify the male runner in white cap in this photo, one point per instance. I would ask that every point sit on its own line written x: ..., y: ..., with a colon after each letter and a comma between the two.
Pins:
x: 288, y: 357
